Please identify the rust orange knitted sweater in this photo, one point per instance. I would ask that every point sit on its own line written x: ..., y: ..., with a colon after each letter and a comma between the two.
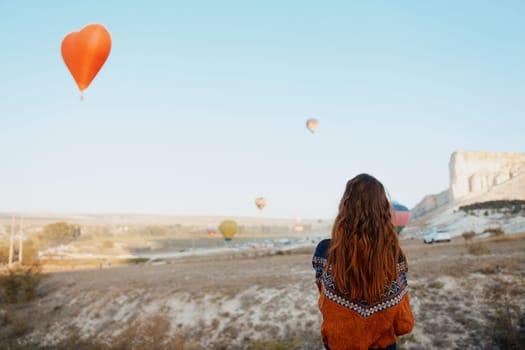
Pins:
x: 350, y: 324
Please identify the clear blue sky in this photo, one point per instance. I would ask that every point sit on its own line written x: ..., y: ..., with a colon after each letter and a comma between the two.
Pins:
x: 201, y: 106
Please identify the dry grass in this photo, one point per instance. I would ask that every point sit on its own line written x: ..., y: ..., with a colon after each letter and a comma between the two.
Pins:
x: 508, y: 321
x: 506, y: 238
x: 404, y: 340
x: 153, y: 333
x: 436, y: 285
x: 20, y: 283
x: 478, y: 248
x: 242, y: 303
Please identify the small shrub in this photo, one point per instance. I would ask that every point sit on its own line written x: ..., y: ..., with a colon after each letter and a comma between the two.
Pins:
x: 30, y: 253
x: 4, y: 253
x: 487, y: 270
x: 468, y: 235
x: 5, y: 318
x: 137, y: 260
x: 494, y: 231
x: 73, y: 340
x: 10, y: 286
x: 20, y: 327
x: 21, y: 283
x: 150, y: 333
x: 507, y: 325
x: 436, y: 285
x: 478, y: 248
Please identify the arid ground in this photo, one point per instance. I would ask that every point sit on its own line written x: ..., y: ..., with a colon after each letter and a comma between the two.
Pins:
x: 463, y: 297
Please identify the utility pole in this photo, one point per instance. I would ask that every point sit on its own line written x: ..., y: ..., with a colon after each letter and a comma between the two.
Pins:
x: 11, y: 242
x: 21, y: 238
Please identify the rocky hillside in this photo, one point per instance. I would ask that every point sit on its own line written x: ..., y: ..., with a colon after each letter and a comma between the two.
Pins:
x: 475, y: 177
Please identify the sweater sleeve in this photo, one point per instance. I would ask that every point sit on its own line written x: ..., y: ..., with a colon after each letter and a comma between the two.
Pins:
x: 404, y: 321
x: 318, y: 267
x: 319, y: 258
x: 319, y: 261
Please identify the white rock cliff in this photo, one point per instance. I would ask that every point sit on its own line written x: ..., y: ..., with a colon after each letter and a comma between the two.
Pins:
x: 473, y: 173
x: 478, y: 177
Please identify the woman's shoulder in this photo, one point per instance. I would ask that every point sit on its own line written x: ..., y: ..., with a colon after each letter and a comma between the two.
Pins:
x: 320, y: 258
x: 321, y: 251
x: 402, y: 262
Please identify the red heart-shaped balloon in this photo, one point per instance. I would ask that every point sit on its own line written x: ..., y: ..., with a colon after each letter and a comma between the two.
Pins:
x: 85, y: 52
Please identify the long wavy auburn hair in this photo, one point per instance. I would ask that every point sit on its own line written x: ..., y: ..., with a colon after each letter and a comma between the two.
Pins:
x: 364, y: 249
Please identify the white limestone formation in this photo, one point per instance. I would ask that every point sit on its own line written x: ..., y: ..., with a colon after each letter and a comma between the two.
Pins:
x: 474, y: 173
x: 477, y: 177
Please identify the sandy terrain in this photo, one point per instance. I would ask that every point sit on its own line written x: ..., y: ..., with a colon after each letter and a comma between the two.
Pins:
x: 231, y: 301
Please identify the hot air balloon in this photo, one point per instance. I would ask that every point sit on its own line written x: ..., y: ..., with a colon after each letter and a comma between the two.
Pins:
x: 85, y: 52
x: 401, y: 216
x: 298, y: 227
x: 212, y: 230
x: 260, y: 202
x: 312, y: 125
x: 228, y: 229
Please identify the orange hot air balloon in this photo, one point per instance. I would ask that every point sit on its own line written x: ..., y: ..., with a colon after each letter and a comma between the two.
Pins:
x: 85, y: 52
x: 212, y: 230
x: 312, y: 125
x: 260, y: 202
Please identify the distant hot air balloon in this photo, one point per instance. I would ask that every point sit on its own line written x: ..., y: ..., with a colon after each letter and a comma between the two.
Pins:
x: 298, y: 228
x: 401, y: 216
x: 228, y: 229
x: 260, y: 202
x: 312, y: 125
x: 212, y: 230
x: 85, y: 52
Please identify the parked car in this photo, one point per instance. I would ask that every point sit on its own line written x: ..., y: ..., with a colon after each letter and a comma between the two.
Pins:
x: 435, y: 236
